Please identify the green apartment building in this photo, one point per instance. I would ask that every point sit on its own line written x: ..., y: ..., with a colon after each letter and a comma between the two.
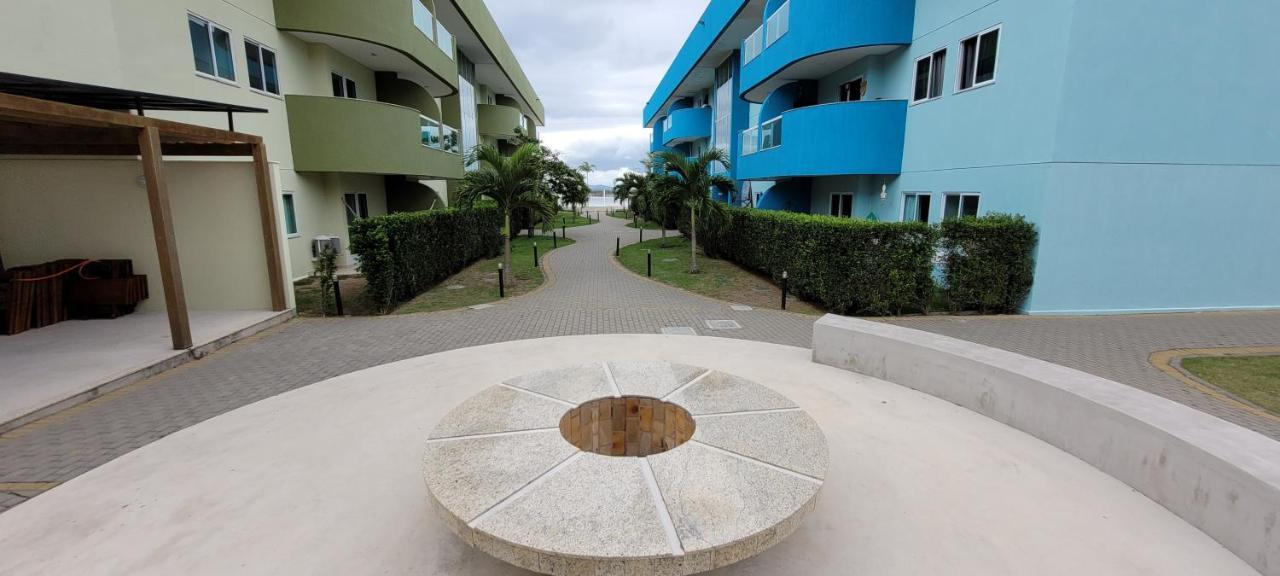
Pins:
x: 370, y: 105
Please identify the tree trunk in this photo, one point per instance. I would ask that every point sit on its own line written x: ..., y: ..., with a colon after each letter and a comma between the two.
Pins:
x: 663, y: 244
x: 693, y: 245
x: 506, y: 244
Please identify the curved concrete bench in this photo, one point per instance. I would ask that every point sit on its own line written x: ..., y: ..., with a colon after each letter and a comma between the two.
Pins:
x: 1219, y: 477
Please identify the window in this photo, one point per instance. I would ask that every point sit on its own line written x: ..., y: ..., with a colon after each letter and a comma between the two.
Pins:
x: 357, y: 204
x: 960, y: 206
x: 211, y: 47
x: 723, y: 110
x: 853, y: 90
x: 915, y: 208
x: 928, y: 80
x: 842, y: 205
x: 290, y: 216
x: 343, y: 87
x: 978, y: 59
x: 262, y: 67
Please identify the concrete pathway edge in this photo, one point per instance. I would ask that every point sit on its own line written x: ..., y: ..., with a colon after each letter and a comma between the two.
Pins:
x: 1220, y: 477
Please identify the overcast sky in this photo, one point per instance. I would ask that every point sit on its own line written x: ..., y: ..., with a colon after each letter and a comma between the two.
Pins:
x: 595, y: 63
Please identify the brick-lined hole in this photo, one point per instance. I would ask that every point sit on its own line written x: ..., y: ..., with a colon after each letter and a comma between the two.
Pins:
x: 627, y: 426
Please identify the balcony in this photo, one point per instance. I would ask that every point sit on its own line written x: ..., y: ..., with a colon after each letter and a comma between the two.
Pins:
x: 799, y: 42
x: 826, y: 140
x: 498, y: 121
x: 367, y: 137
x: 398, y: 36
x: 687, y: 125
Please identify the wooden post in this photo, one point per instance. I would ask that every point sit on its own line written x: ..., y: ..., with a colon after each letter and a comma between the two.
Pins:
x: 175, y: 299
x: 270, y: 227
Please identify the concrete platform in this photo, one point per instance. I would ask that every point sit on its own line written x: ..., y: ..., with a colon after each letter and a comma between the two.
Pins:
x: 327, y: 479
x: 69, y: 362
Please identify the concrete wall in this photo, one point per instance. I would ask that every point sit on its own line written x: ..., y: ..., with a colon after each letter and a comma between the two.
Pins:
x: 1219, y: 477
x: 54, y: 209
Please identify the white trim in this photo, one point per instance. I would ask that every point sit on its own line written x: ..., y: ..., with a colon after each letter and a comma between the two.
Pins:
x: 960, y: 206
x: 217, y: 79
x: 918, y: 195
x: 263, y: 71
x: 911, y: 101
x: 345, y: 79
x: 995, y: 68
x: 210, y: 25
x: 840, y: 87
x: 853, y: 198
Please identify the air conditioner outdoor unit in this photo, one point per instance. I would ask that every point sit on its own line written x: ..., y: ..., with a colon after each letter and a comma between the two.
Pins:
x: 323, y: 241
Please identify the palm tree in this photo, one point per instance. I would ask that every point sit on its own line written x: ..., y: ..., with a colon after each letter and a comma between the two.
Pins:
x: 513, y: 182
x: 628, y: 186
x: 689, y: 182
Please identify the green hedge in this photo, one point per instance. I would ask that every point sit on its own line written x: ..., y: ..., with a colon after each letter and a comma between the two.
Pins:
x: 989, y: 262
x: 405, y: 253
x: 848, y: 266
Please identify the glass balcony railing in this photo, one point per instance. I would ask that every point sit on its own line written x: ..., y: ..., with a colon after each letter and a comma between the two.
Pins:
x: 430, y: 132
x: 753, y: 45
x: 771, y: 134
x: 778, y: 24
x: 750, y: 140
x: 444, y: 40
x: 432, y: 28
x: 451, y: 139
x: 440, y: 136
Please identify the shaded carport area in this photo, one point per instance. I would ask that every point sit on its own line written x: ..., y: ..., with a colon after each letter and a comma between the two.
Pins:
x: 72, y: 160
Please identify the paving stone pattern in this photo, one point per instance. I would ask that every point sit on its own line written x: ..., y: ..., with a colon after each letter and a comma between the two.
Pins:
x: 588, y: 294
x: 1119, y: 347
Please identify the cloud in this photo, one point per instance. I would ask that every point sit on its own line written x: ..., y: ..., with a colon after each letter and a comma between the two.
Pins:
x: 595, y: 63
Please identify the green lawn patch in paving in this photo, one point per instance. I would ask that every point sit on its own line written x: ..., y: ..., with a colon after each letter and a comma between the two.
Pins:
x: 478, y: 283
x: 307, y: 298
x: 1255, y: 379
x: 718, y: 279
x: 620, y: 214
x: 648, y: 225
x: 570, y: 221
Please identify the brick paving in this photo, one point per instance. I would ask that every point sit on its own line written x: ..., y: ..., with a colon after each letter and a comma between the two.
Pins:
x: 587, y: 294
x: 1119, y: 347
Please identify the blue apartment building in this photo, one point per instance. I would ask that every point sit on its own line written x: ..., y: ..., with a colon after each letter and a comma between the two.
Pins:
x: 1142, y: 137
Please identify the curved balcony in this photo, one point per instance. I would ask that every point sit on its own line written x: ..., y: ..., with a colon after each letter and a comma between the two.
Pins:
x: 800, y: 40
x: 826, y: 140
x: 497, y: 120
x: 367, y: 137
x: 383, y: 35
x: 687, y: 125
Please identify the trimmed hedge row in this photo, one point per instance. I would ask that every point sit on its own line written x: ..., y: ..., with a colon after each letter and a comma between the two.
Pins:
x: 405, y: 253
x: 848, y: 266
x: 990, y: 262
x: 862, y: 267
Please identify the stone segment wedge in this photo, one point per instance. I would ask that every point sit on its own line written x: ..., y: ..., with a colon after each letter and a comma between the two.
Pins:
x: 573, y: 384
x: 593, y: 507
x: 727, y: 505
x: 499, y: 409
x: 472, y: 474
x: 718, y: 393
x: 652, y: 379
x: 790, y: 440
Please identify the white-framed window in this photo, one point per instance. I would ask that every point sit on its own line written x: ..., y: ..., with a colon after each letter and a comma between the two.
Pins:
x: 211, y: 48
x: 290, y: 216
x: 264, y: 75
x: 842, y: 205
x: 978, y: 55
x: 960, y: 205
x: 915, y: 207
x: 357, y: 205
x: 343, y: 87
x: 928, y: 77
x: 853, y: 90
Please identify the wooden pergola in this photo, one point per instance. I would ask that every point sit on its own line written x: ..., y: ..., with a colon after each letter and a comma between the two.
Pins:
x: 40, y: 126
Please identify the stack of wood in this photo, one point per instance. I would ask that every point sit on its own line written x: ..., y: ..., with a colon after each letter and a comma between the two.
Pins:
x: 44, y: 294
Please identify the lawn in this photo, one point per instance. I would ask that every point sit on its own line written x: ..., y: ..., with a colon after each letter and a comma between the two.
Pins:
x: 1253, y: 378
x: 478, y: 284
x: 570, y: 221
x: 307, y: 298
x: 620, y: 214
x: 648, y: 225
x: 718, y: 279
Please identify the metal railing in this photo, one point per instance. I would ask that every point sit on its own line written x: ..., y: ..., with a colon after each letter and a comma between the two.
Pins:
x: 778, y: 24
x: 753, y: 45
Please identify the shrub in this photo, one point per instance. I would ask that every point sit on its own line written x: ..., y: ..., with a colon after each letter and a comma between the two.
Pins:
x: 989, y: 262
x: 405, y: 253
x: 848, y: 266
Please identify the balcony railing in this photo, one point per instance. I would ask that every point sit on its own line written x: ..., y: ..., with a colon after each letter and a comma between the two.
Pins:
x: 439, y: 136
x: 753, y: 45
x: 771, y: 134
x: 751, y: 140
x: 778, y: 24
x: 432, y: 28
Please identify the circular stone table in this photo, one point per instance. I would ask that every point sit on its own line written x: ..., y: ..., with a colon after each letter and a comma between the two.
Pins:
x: 625, y: 468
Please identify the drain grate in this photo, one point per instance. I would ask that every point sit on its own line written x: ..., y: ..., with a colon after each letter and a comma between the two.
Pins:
x: 724, y: 325
x: 679, y: 330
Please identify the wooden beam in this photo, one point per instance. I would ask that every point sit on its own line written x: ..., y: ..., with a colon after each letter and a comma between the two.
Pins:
x: 175, y: 298
x: 37, y: 111
x: 270, y: 226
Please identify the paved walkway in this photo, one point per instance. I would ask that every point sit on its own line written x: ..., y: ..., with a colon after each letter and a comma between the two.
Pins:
x: 587, y: 294
x: 1119, y: 348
